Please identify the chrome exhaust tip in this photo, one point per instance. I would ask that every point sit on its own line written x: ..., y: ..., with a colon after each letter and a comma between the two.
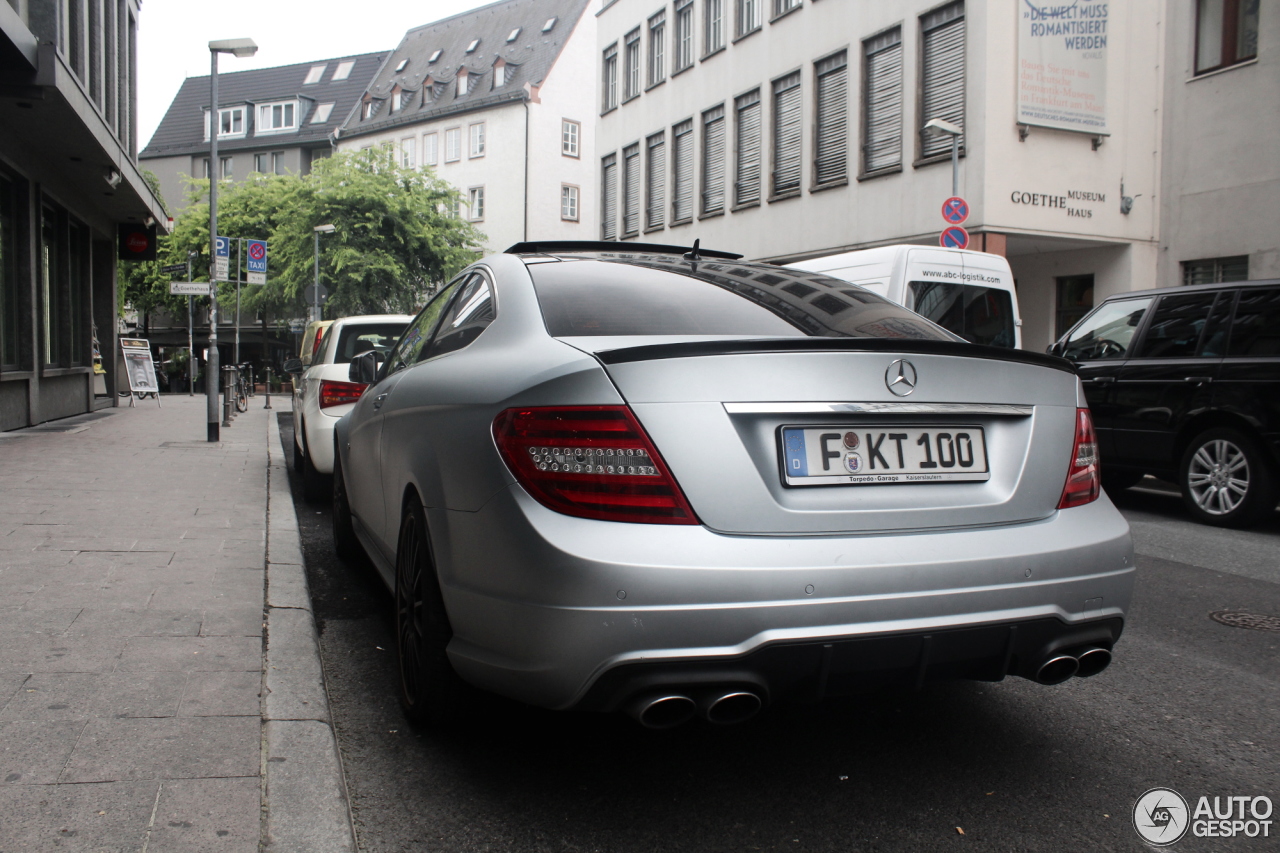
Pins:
x: 1093, y: 660
x: 1057, y: 669
x: 737, y: 706
x: 662, y: 711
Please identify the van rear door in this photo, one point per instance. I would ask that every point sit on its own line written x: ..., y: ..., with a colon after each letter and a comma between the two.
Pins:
x: 981, y: 311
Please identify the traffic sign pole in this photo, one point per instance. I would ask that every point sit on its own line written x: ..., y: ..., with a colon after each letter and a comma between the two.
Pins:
x: 191, y: 344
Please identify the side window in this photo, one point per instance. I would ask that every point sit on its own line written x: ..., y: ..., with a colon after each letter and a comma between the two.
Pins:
x: 1213, y: 343
x: 468, y: 316
x: 1256, y: 329
x: 1176, y: 326
x: 417, y: 333
x: 1107, y: 332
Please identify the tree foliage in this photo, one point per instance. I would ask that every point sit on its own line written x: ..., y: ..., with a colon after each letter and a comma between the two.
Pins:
x: 395, y: 240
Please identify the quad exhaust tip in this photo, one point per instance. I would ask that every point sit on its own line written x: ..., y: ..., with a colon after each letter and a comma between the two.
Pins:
x: 1093, y: 660
x: 737, y: 706
x: 1057, y: 669
x: 662, y: 711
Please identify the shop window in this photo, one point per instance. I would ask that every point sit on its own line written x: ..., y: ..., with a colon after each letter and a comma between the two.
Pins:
x: 1075, y: 299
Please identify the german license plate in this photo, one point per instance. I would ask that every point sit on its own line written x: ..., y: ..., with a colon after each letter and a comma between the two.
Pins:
x: 860, y: 454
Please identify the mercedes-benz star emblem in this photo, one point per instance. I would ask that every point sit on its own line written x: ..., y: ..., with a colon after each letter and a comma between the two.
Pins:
x: 901, y: 377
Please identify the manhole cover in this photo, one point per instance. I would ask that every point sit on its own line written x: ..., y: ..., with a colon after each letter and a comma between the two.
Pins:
x: 1256, y: 621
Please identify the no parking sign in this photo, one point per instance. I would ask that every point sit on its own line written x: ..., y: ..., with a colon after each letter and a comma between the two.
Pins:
x: 257, y: 261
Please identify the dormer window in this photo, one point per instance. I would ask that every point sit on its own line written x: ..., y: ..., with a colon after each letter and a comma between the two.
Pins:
x: 370, y: 107
x: 547, y: 27
x: 462, y: 82
x: 321, y: 115
x: 230, y: 123
x: 273, y: 118
x: 343, y: 71
x: 471, y: 48
x: 434, y: 57
x: 315, y: 74
x: 499, y: 73
x: 401, y: 65
x: 515, y: 34
x: 396, y: 100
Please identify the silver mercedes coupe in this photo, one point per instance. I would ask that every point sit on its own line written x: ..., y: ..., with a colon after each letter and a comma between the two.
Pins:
x: 666, y: 481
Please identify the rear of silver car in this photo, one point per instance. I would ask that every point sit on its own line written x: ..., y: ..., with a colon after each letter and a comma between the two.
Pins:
x: 824, y: 515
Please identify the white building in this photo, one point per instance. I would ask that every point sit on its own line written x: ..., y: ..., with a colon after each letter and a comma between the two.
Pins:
x: 1220, y: 203
x: 791, y: 129
x: 499, y: 102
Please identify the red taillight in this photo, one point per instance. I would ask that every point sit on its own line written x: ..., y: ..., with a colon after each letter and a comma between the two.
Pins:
x: 592, y: 462
x: 315, y: 345
x: 334, y: 393
x: 1084, y: 482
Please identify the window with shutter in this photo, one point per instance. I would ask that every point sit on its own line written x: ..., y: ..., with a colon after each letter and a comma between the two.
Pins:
x: 609, y: 197
x: 713, y: 160
x: 786, y: 134
x: 882, y: 101
x: 631, y: 190
x: 942, y: 75
x: 746, y: 179
x: 682, y: 172
x: 830, y: 147
x: 655, y: 180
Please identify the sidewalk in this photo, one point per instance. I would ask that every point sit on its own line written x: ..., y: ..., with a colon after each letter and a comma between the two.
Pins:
x: 134, y: 573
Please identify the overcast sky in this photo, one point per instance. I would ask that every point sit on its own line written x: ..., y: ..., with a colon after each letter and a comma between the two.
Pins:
x: 174, y: 36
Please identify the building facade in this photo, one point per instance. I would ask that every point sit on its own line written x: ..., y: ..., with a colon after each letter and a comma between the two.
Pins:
x: 499, y: 102
x: 791, y: 129
x: 1220, y: 182
x: 69, y: 181
x: 270, y: 121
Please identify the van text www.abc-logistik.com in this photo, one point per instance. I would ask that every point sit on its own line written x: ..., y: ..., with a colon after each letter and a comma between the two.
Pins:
x: 962, y: 276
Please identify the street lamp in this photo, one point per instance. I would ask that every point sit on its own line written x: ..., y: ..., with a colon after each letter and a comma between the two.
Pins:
x: 315, y: 293
x: 941, y: 127
x: 241, y: 48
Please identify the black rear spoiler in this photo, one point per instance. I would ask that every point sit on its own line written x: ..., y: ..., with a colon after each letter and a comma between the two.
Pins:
x: 694, y: 349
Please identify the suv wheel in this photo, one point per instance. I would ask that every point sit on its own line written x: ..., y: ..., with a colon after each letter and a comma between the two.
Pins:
x: 431, y: 693
x: 1225, y: 479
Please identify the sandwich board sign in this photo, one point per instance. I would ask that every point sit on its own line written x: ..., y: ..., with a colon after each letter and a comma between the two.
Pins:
x: 139, y: 368
x: 257, y: 261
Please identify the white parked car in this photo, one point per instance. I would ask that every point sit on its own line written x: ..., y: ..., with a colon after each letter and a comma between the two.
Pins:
x: 323, y: 392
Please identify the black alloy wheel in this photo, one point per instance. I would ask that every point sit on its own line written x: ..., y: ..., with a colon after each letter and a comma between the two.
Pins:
x: 344, y: 533
x: 431, y: 693
x: 1226, y: 480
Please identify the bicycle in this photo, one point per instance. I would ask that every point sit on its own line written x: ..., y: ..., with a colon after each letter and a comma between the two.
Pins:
x: 240, y: 386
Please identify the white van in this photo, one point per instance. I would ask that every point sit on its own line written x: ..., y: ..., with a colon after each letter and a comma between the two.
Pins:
x: 969, y: 293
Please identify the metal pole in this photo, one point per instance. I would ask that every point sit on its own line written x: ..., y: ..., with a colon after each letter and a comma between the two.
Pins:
x: 191, y: 344
x: 239, y: 248
x: 268, y: 387
x: 227, y: 395
x: 211, y: 364
x: 955, y: 165
x: 315, y: 295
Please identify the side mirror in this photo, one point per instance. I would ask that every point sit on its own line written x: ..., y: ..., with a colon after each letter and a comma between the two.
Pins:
x: 293, y: 365
x: 364, y: 367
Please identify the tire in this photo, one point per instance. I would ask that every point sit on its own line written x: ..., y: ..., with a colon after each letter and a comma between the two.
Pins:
x: 242, y: 399
x: 344, y: 533
x: 1226, y: 480
x: 1117, y: 480
x: 315, y: 486
x: 431, y: 693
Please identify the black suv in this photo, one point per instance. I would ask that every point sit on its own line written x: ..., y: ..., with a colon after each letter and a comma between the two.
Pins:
x: 1184, y: 384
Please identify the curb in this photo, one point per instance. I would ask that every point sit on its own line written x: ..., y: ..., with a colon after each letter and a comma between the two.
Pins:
x: 304, y: 795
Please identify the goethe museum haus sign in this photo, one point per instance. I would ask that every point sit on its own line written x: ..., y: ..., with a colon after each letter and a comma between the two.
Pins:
x: 1062, y: 65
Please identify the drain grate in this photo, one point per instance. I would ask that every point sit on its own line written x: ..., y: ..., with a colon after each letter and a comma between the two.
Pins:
x: 1253, y: 621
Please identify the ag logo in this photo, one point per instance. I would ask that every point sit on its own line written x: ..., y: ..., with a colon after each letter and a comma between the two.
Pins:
x: 1161, y: 817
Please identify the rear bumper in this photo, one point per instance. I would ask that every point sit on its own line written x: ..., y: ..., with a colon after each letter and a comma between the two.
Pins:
x: 319, y: 424
x: 559, y: 611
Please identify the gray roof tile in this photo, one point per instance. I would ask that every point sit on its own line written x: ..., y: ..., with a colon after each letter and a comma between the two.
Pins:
x: 182, y: 129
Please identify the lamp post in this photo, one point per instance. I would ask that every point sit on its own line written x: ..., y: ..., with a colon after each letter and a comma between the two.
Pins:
x: 241, y: 48
x: 315, y: 293
x: 941, y: 127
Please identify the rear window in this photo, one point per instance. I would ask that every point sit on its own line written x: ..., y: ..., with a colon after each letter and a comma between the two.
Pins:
x: 980, y: 315
x: 360, y: 338
x: 667, y: 296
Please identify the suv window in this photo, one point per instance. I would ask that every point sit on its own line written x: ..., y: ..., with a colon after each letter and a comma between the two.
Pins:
x: 980, y: 315
x: 418, y: 332
x: 1256, y: 330
x: 1176, y: 325
x: 470, y: 314
x: 1107, y: 332
x: 660, y: 296
x: 357, y: 338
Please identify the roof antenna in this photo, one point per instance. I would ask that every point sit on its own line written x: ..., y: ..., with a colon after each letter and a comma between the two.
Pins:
x: 693, y: 255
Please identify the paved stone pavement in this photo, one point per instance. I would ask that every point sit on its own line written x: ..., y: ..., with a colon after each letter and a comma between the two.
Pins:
x: 133, y: 558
